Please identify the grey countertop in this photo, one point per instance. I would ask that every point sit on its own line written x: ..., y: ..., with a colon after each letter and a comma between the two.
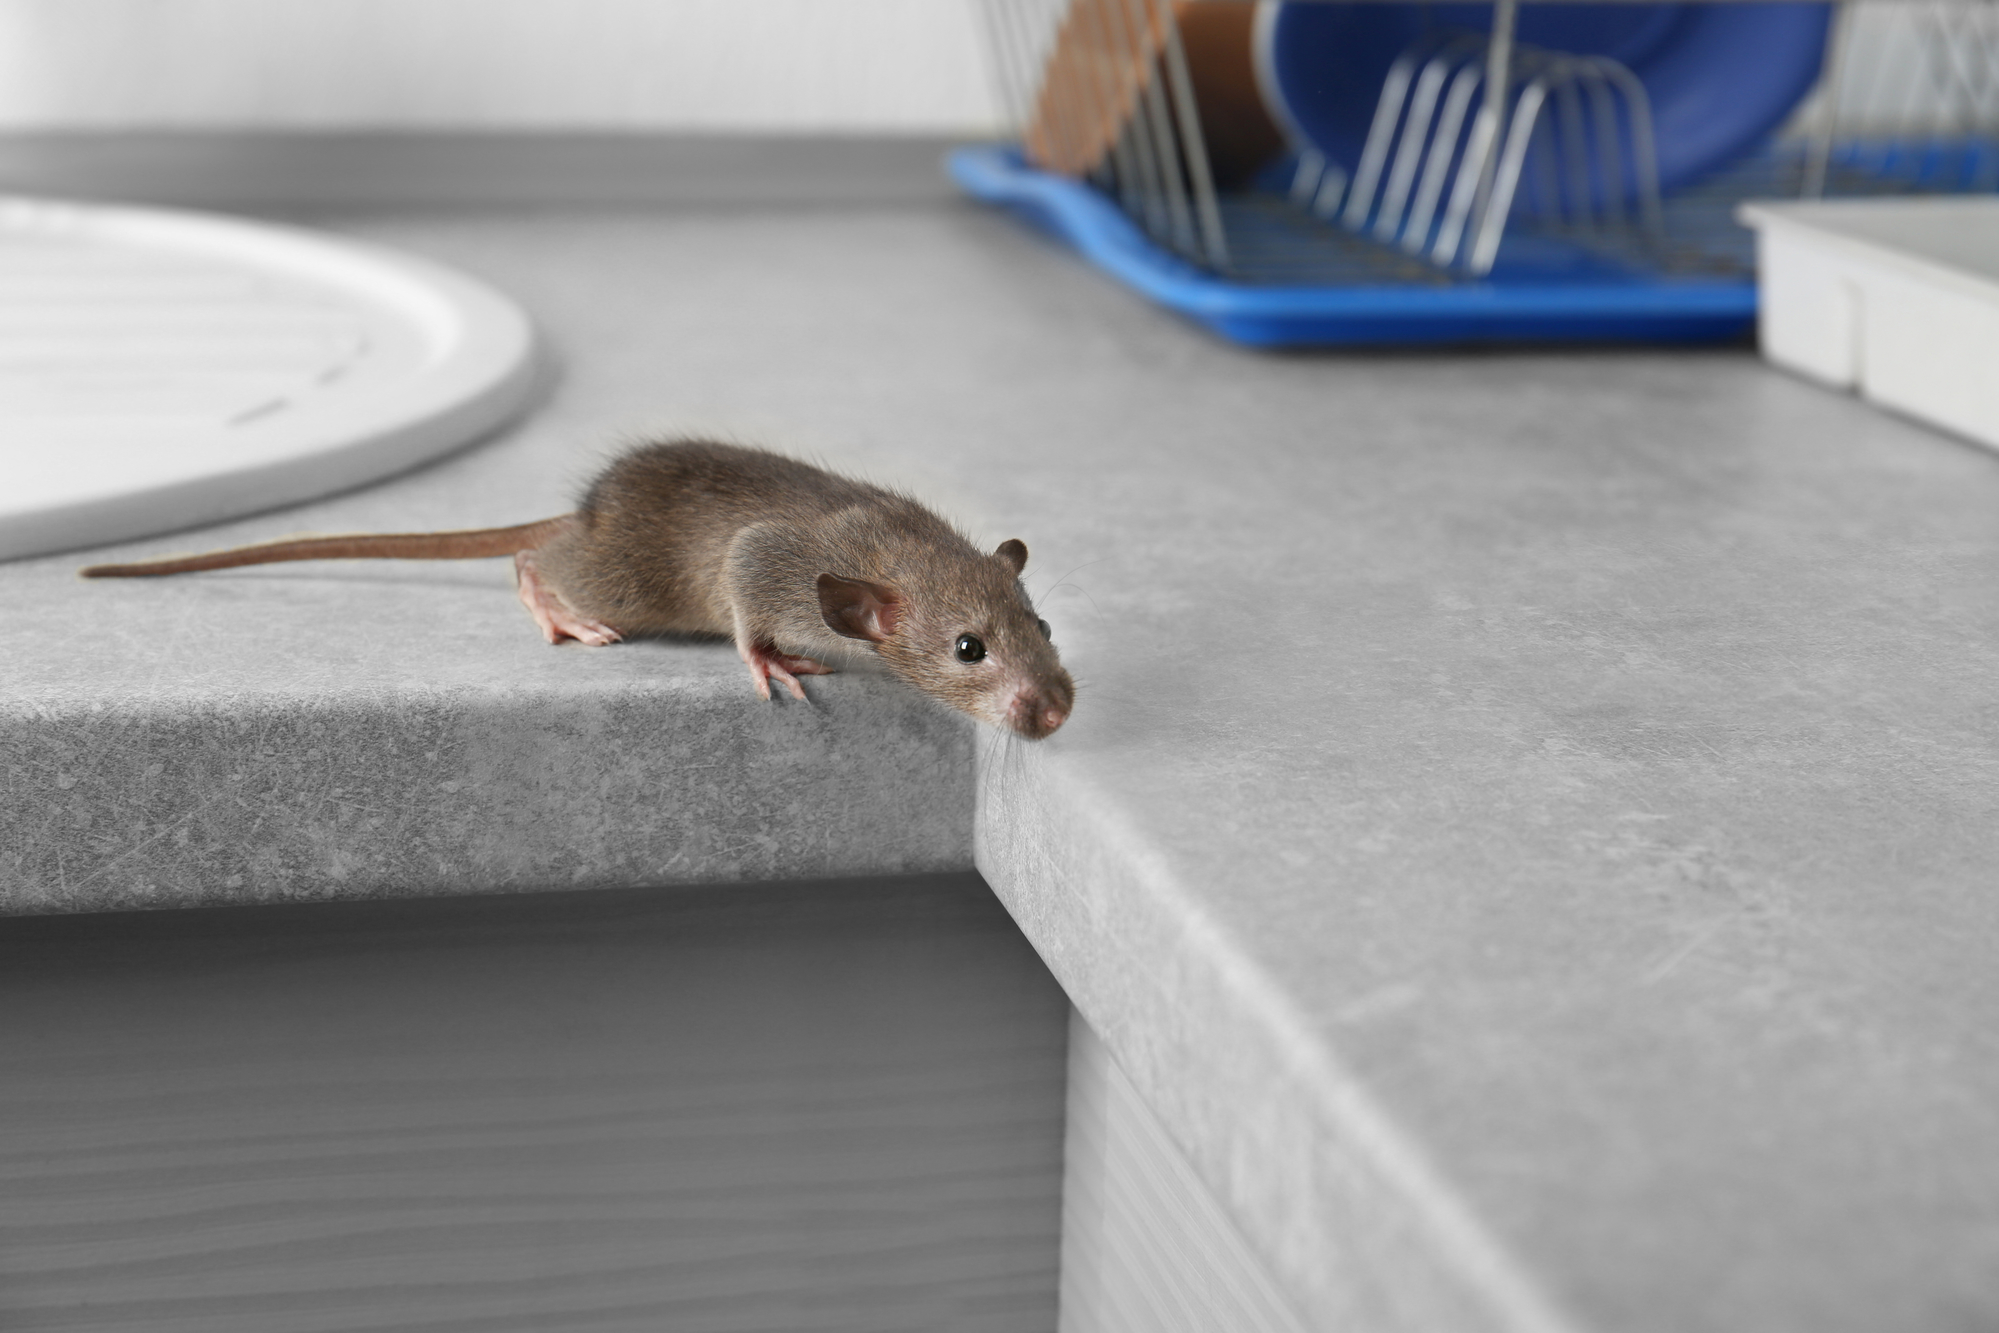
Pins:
x: 1528, y: 826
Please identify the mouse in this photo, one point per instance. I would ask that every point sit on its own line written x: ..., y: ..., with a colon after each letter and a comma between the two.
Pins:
x: 801, y: 567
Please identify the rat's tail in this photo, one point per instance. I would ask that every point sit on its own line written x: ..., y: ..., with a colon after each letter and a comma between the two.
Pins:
x: 382, y: 546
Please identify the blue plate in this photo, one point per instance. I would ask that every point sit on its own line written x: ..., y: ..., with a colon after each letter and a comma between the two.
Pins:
x: 1720, y: 77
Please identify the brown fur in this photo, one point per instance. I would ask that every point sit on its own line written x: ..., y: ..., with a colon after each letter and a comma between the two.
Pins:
x: 692, y: 537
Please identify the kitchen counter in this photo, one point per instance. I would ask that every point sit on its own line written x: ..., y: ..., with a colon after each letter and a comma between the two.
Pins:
x: 1527, y: 829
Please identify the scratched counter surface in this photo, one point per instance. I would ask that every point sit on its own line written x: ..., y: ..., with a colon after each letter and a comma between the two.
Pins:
x: 1528, y: 827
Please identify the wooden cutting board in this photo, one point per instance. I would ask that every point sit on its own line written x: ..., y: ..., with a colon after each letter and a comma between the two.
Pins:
x: 1106, y: 54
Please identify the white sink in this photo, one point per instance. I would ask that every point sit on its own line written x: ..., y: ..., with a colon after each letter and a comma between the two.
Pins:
x: 161, y: 369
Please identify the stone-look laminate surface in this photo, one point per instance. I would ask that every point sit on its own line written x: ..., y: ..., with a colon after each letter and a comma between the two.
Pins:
x: 1528, y: 824
x: 459, y: 789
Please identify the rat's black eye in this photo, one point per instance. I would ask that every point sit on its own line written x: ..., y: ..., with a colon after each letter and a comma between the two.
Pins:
x: 971, y: 648
x: 1046, y: 632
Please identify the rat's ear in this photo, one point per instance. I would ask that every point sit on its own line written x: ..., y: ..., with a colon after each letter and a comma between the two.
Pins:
x: 857, y: 609
x: 1014, y: 551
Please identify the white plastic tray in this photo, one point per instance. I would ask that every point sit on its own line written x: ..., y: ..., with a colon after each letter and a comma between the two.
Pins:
x: 162, y: 369
x: 1895, y: 298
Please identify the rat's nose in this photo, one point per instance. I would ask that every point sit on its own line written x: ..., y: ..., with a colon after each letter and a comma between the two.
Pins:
x: 1036, y: 712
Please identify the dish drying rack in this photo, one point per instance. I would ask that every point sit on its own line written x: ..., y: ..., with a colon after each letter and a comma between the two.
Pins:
x: 1504, y: 192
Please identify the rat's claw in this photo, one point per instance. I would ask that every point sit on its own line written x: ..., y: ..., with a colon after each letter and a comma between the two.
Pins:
x: 594, y: 633
x: 766, y: 662
x: 791, y: 683
x: 803, y: 666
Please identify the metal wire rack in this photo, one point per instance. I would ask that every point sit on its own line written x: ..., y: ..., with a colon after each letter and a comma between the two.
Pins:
x: 1486, y: 159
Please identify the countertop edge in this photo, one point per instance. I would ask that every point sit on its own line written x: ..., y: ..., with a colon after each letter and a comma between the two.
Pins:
x: 1354, y: 1220
x: 475, y: 169
x: 434, y: 790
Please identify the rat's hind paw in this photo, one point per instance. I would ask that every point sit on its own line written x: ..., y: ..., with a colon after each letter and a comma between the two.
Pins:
x: 557, y: 621
x: 591, y: 633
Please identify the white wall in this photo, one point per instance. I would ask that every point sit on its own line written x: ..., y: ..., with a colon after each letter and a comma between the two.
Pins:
x: 786, y: 66
x: 834, y: 66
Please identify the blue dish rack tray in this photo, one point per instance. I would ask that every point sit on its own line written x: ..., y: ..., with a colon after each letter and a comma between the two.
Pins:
x: 1295, y: 280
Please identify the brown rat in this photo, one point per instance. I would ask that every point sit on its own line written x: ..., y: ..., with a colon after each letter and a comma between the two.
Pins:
x: 798, y: 565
